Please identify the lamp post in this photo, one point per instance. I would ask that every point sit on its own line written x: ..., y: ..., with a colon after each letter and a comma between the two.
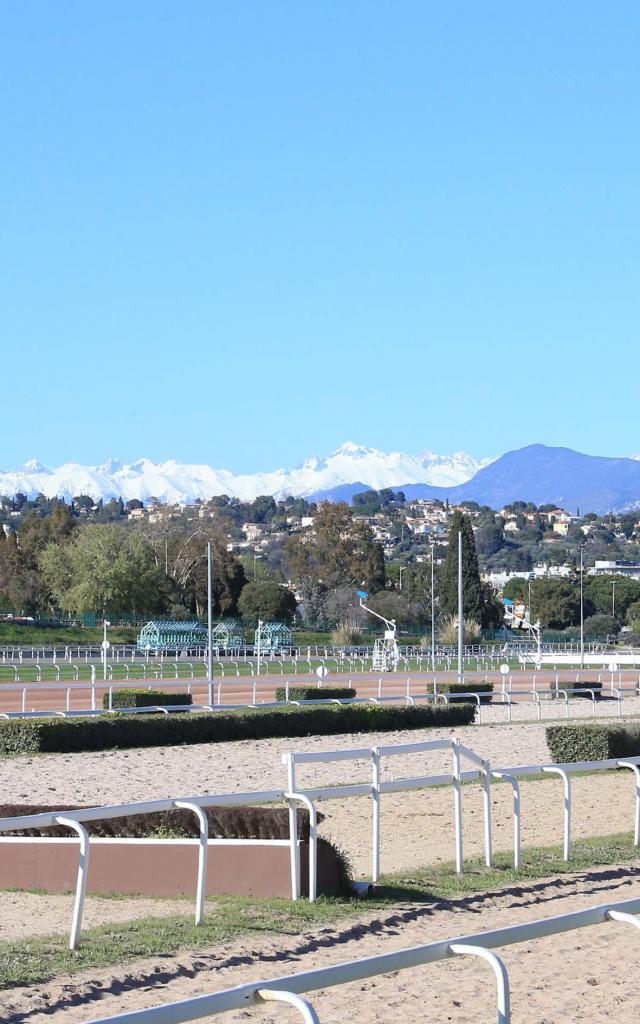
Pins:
x: 613, y: 599
x: 460, y: 613
x: 105, y: 644
x: 433, y: 616
x: 581, y: 614
x: 209, y: 624
x: 403, y: 568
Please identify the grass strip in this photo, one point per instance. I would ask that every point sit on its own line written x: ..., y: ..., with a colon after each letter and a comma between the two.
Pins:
x: 29, y: 961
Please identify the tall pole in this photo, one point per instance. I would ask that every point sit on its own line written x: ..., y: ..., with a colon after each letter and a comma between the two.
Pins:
x: 258, y: 645
x: 460, y: 612
x: 104, y: 644
x: 433, y: 618
x: 581, y: 615
x: 209, y: 625
x: 613, y: 599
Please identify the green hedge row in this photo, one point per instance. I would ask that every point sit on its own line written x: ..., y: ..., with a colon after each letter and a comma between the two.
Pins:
x: 145, y: 699
x: 583, y: 685
x: 224, y: 823
x: 578, y: 742
x: 315, y: 693
x: 65, y: 735
x: 485, y: 688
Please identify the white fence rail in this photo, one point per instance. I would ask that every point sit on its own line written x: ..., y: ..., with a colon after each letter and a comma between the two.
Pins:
x: 291, y: 988
x: 293, y: 794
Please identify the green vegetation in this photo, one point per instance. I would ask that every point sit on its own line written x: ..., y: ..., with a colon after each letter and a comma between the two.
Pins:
x: 480, y: 605
x: 589, y: 742
x: 577, y: 688
x: 29, y: 961
x: 267, y: 600
x: 65, y: 735
x: 22, y: 635
x: 316, y: 693
x: 127, y: 698
x: 485, y: 689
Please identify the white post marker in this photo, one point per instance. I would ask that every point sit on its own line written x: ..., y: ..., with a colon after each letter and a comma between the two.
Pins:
x: 322, y: 672
x: 105, y: 647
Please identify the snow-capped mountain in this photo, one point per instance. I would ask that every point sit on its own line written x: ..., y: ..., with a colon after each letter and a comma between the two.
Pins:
x: 175, y: 481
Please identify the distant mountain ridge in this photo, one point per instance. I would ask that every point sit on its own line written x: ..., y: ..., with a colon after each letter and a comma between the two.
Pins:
x: 536, y: 473
x: 174, y: 481
x: 543, y: 475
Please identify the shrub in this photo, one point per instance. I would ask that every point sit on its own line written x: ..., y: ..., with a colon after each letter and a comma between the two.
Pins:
x: 347, y: 634
x: 485, y: 689
x: 315, y: 693
x: 145, y: 699
x: 579, y: 689
x: 104, y: 732
x: 448, y: 630
x: 588, y: 742
x: 224, y: 823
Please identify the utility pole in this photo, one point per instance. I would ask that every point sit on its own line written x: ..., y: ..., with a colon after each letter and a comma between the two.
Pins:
x: 259, y: 638
x: 581, y: 614
x: 433, y: 617
x: 460, y: 612
x: 613, y: 599
x: 209, y: 625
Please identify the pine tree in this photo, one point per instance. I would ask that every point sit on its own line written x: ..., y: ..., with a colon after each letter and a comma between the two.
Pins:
x: 448, y: 581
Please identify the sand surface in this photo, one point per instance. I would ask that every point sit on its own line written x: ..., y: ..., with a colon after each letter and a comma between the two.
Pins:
x: 26, y: 915
x: 588, y: 975
x: 113, y: 776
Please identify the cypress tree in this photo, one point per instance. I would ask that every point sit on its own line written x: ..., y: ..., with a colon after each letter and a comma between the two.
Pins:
x: 448, y: 582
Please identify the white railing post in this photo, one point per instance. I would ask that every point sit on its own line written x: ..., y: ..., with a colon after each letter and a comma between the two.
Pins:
x: 292, y: 798
x: 457, y: 805
x: 81, y: 883
x: 500, y: 971
x: 293, y: 828
x: 375, y: 808
x: 486, y: 799
x: 203, y: 849
x: 564, y: 775
x: 304, y: 1007
x: 636, y: 825
x: 515, y: 786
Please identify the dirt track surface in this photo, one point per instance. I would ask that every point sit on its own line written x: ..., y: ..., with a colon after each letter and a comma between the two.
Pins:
x: 243, y: 690
x: 587, y: 975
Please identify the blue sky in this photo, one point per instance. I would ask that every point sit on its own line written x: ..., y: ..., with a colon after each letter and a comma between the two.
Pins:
x: 241, y: 233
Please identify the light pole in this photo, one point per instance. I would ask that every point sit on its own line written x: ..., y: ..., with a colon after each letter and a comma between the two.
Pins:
x: 613, y: 599
x: 403, y: 568
x: 529, y: 585
x: 105, y: 644
x: 581, y: 614
x: 460, y: 612
x: 209, y: 624
x: 259, y: 637
x: 256, y: 556
x: 433, y: 616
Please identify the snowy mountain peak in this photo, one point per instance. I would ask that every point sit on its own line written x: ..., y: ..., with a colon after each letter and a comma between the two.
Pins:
x: 173, y: 481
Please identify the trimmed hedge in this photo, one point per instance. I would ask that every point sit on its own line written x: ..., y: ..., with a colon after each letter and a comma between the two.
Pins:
x: 66, y: 735
x: 224, y: 822
x: 576, y: 687
x: 145, y: 698
x: 587, y: 742
x: 315, y: 693
x: 484, y: 690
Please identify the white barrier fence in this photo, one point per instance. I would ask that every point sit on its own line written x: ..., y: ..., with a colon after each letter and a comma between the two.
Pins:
x: 293, y: 794
x: 410, y: 690
x: 290, y: 989
x: 483, y: 773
